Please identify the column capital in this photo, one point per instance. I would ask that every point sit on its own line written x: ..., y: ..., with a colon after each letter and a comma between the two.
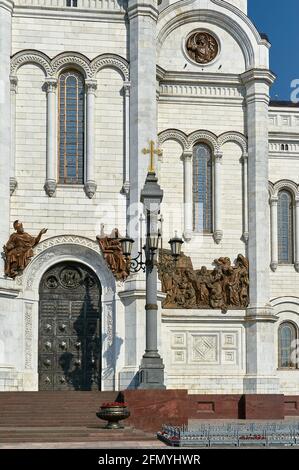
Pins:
x: 187, y: 155
x: 143, y: 8
x: 297, y: 201
x: 91, y: 86
x: 273, y: 200
x: 51, y: 84
x: 127, y: 88
x: 258, y: 75
x: 218, y: 235
x: 245, y: 157
x: 218, y: 156
x: 13, y: 83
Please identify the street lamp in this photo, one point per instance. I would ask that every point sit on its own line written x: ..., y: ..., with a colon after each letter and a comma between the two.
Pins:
x: 176, y: 246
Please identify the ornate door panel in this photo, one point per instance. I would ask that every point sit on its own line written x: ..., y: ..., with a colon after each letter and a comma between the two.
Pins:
x: 69, y: 329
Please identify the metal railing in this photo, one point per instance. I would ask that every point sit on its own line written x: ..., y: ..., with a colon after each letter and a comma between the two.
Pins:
x: 232, y: 434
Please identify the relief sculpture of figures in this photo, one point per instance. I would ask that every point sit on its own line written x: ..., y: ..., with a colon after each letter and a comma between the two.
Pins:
x: 18, y: 251
x: 112, y: 251
x: 225, y: 287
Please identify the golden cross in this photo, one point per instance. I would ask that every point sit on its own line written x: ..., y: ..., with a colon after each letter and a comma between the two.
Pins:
x: 152, y: 152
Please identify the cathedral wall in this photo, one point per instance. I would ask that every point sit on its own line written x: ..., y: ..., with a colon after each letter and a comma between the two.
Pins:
x: 55, y: 35
x: 70, y: 211
x: 174, y: 57
x: 204, y: 356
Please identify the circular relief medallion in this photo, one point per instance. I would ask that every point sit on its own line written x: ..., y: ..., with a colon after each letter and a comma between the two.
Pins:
x: 70, y: 278
x: 51, y: 282
x: 202, y: 47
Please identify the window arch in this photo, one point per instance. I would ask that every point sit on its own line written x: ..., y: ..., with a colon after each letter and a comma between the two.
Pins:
x: 287, y: 346
x: 71, y: 100
x: 285, y: 228
x: 202, y: 189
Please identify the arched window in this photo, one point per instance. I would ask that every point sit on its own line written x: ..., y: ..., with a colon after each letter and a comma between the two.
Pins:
x: 285, y: 228
x: 287, y: 346
x: 202, y: 189
x: 71, y: 128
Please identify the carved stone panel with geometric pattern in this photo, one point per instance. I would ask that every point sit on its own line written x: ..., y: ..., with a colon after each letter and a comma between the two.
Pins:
x: 69, y: 329
x: 204, y: 348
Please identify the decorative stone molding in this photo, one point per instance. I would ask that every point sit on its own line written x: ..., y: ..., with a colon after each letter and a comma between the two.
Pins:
x: 284, y: 184
x: 50, y: 84
x: 13, y: 184
x: 67, y: 240
x: 110, y: 60
x: 91, y: 86
x: 218, y: 235
x: 52, y: 67
x: 50, y: 187
x: 13, y: 83
x: 90, y: 188
x: 200, y: 91
x: 234, y: 137
x: 174, y: 134
x: 28, y: 335
x: 30, y: 56
x: 65, y: 59
x: 203, y: 136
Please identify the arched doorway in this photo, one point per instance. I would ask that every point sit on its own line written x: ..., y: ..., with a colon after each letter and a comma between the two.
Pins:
x: 69, y: 328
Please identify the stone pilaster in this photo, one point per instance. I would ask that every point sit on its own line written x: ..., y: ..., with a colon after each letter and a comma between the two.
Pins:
x: 260, y: 347
x: 6, y: 8
x: 51, y: 172
x: 188, y: 223
x: 274, y: 234
x: 143, y: 17
x: 90, y: 184
x: 245, y: 197
x: 126, y: 185
x: 297, y: 236
x: 13, y: 95
x: 218, y: 232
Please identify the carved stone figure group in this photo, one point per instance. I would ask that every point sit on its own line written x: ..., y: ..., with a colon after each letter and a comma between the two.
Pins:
x: 224, y: 287
x: 18, y: 251
x: 112, y: 251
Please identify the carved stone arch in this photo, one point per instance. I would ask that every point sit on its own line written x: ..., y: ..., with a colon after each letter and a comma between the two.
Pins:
x: 74, y: 249
x: 30, y: 56
x: 247, y: 38
x: 174, y: 134
x: 203, y: 136
x: 113, y: 61
x: 63, y: 248
x: 71, y: 59
x: 236, y: 137
x: 289, y: 185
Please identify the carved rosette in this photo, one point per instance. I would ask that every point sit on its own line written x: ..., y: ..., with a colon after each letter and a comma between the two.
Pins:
x: 225, y: 287
x: 202, y: 47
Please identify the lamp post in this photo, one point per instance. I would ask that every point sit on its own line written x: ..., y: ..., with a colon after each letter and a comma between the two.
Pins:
x: 151, y: 371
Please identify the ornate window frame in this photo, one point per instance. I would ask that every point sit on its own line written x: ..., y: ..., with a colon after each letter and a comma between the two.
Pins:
x: 274, y: 190
x: 295, y: 338
x: 52, y: 69
x: 187, y: 143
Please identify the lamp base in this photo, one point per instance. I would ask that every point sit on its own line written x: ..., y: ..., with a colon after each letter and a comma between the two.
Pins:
x: 151, y: 373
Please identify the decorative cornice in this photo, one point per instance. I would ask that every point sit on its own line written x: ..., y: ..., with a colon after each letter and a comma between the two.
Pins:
x: 258, y: 75
x: 52, y: 67
x: 145, y: 9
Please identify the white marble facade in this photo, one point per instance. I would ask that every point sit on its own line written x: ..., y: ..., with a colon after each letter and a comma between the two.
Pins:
x: 141, y: 85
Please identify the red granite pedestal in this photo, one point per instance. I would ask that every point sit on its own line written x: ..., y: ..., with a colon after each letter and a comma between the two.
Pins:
x: 150, y: 409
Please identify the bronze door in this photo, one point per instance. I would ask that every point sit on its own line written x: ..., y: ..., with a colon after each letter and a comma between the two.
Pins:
x: 69, y: 329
